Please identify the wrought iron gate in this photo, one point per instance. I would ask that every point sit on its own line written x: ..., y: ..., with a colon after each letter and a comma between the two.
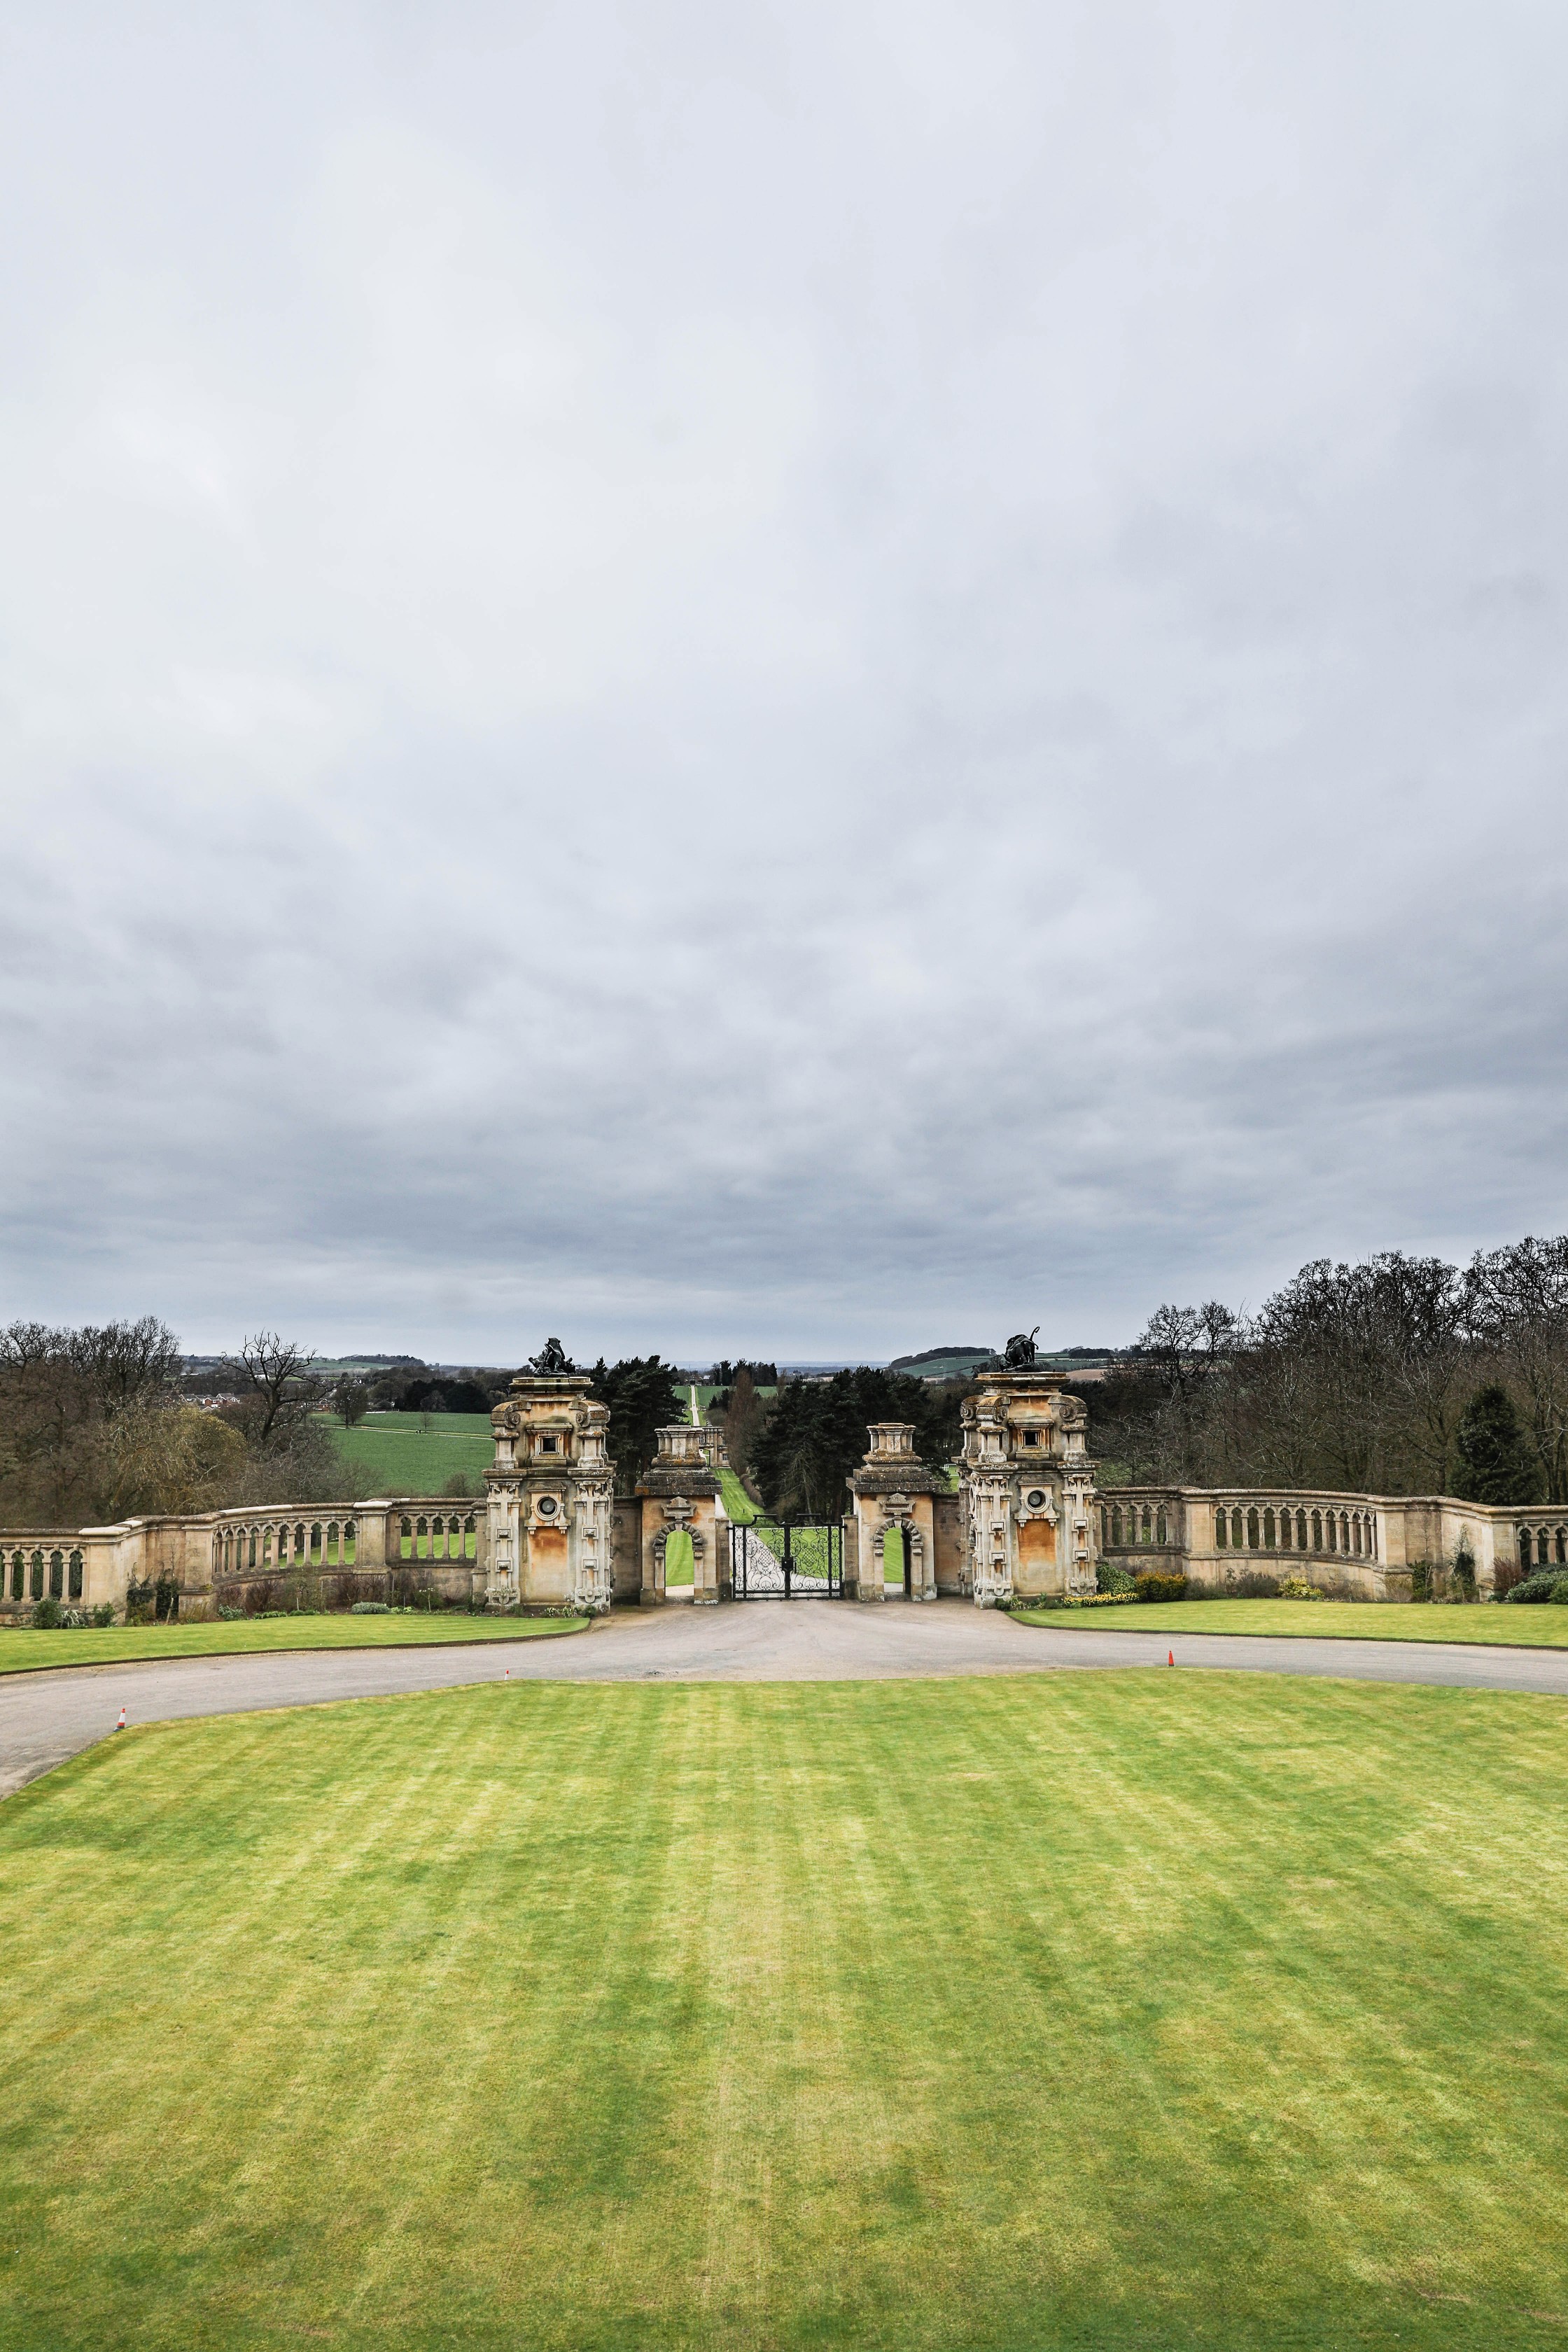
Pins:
x: 771, y: 1561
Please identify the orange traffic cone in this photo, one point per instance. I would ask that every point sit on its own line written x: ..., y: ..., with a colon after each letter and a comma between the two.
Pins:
x: 121, y: 1724
x: 1170, y: 1657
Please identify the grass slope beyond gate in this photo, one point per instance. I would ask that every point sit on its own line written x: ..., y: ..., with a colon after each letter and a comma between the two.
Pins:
x: 403, y: 1459
x: 1147, y: 2009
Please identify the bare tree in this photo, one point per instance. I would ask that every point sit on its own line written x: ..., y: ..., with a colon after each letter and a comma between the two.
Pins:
x: 124, y: 1363
x: 280, y: 1391
x: 1351, y: 1376
x: 62, y: 1393
x: 1518, y: 1303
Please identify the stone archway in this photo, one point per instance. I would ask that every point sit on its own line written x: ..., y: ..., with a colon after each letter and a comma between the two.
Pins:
x: 911, y: 1550
x: 680, y: 1535
x: 680, y: 1493
x: 892, y: 1490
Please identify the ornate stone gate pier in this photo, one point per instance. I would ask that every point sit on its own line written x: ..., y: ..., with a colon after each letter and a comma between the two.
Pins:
x: 550, y: 1495
x: 1026, y: 1489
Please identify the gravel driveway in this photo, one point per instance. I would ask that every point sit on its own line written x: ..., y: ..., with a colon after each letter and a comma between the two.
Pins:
x: 46, y: 1717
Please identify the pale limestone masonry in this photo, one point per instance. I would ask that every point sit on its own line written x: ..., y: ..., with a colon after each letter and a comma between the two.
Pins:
x: 207, y: 1556
x: 1365, y: 1545
x: 892, y: 1490
x: 551, y: 1490
x: 1026, y: 1490
x: 682, y: 1492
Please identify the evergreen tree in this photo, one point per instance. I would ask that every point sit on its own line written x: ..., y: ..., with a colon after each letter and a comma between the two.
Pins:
x: 643, y: 1398
x: 1495, y: 1461
x: 815, y: 1435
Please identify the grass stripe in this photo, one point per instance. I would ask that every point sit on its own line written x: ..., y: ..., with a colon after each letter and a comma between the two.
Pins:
x: 1143, y: 2009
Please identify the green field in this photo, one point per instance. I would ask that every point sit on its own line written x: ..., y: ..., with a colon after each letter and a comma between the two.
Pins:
x: 1011, y: 2015
x: 405, y: 1459
x: 89, y: 1645
x: 738, y: 1503
x: 1536, y: 1626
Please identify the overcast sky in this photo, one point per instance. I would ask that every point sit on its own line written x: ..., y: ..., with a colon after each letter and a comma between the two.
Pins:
x: 807, y: 679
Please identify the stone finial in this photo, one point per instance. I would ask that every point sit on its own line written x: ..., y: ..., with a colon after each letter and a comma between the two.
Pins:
x: 891, y: 1441
x: 681, y: 1443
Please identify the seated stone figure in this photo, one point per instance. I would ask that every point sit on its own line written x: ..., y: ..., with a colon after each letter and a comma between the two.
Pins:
x: 552, y: 1358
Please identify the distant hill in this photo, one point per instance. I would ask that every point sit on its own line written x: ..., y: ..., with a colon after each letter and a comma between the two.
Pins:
x: 960, y: 1363
x: 942, y: 1363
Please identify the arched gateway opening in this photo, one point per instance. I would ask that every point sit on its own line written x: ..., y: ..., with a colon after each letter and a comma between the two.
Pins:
x: 898, y: 1563
x: 679, y: 1561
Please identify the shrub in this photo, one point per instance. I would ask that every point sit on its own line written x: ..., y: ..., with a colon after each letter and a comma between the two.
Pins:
x: 47, y: 1615
x: 1077, y: 1601
x: 230, y: 1616
x: 1109, y: 1576
x: 1255, y: 1584
x: 1162, y: 1584
x: 1546, y: 1584
x: 1296, y: 1588
x: 1421, y: 1580
x: 104, y: 1613
x: 369, y: 1609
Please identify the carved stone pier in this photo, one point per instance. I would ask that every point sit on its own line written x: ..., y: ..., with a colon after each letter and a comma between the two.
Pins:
x: 550, y: 1492
x: 1026, y: 1489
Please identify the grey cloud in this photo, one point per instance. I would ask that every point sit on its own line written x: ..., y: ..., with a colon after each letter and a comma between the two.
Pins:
x: 727, y: 681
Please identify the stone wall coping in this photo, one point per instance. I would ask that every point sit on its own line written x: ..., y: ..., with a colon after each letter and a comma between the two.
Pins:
x: 1327, y: 1495
x: 234, y: 1512
x: 898, y: 1477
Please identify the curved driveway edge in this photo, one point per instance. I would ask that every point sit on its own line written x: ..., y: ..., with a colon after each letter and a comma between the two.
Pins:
x: 46, y: 1717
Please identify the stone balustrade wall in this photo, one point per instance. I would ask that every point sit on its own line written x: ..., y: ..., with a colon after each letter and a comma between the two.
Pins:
x: 189, y: 1563
x: 1364, y: 1545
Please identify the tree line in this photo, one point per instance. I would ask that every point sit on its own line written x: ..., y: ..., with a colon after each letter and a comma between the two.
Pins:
x: 95, y: 1426
x: 1395, y: 1375
x: 798, y: 1449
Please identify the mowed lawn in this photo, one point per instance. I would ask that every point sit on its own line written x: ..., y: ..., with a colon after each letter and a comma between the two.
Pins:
x: 1530, y: 1624
x: 405, y: 1459
x: 91, y: 1645
x: 1145, y: 2009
